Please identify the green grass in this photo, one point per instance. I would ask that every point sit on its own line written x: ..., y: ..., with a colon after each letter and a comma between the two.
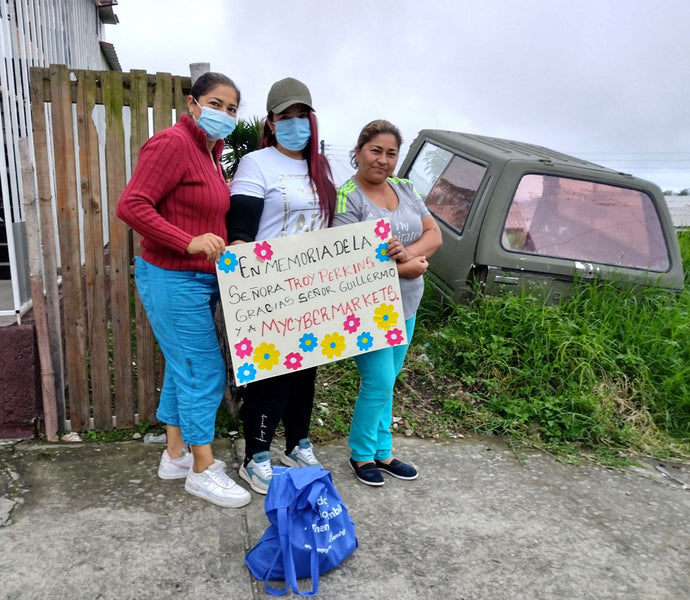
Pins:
x: 337, y: 385
x: 604, y: 373
x: 599, y: 367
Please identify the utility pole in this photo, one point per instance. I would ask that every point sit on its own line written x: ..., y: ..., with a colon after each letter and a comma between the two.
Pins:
x: 197, y: 69
x: 323, y: 148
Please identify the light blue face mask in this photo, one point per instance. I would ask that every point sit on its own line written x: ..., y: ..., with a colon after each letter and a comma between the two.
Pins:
x: 293, y: 134
x: 216, y: 123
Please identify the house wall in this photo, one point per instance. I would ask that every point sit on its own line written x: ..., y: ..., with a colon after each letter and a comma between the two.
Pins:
x: 32, y: 33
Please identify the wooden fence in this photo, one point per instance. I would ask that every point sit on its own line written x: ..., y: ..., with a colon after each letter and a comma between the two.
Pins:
x: 103, y: 351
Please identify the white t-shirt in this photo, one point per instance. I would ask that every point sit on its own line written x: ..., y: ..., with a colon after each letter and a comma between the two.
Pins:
x: 291, y: 205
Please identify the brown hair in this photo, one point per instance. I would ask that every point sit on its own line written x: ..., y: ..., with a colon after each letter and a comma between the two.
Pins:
x: 370, y: 131
x: 209, y: 80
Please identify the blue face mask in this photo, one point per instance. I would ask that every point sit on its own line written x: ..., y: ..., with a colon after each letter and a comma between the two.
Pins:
x: 216, y: 123
x: 293, y: 134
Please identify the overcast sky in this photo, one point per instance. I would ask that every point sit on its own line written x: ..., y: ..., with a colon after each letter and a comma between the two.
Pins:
x: 604, y: 80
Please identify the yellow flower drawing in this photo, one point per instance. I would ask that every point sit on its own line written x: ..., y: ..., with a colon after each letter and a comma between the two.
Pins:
x: 266, y: 356
x: 333, y: 344
x: 385, y: 317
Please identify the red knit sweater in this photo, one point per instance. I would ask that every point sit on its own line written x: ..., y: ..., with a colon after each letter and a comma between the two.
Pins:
x: 175, y: 194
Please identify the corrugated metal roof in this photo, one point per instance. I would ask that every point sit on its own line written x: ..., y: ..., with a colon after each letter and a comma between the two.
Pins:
x: 110, y: 56
x: 105, y: 11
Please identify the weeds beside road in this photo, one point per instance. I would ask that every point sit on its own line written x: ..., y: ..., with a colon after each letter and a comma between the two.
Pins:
x: 605, y: 373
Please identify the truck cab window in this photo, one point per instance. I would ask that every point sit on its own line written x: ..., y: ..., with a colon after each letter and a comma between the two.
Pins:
x: 447, y: 183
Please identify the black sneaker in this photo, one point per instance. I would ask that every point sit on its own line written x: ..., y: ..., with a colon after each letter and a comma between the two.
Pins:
x: 368, y: 473
x: 398, y: 468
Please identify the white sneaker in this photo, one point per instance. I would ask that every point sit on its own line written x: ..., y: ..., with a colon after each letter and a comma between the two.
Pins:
x: 258, y: 472
x: 215, y: 486
x: 175, y: 468
x: 302, y: 455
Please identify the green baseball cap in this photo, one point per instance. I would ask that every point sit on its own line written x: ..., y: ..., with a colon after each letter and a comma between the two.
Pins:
x: 287, y: 92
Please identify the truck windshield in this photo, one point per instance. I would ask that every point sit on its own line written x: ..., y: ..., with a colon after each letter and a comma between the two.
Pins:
x: 585, y: 220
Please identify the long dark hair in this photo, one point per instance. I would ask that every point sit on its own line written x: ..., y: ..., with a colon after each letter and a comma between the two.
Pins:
x: 317, y: 165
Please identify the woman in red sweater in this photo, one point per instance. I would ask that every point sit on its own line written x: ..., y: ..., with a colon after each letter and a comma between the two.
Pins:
x: 177, y: 200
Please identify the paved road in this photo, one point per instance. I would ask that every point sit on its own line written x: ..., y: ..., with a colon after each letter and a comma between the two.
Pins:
x: 481, y: 522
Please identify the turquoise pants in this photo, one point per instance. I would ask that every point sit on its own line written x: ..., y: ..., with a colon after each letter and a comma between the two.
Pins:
x: 180, y: 306
x: 370, y: 434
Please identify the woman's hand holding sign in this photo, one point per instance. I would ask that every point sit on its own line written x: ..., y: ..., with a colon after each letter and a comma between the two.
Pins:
x: 397, y: 251
x: 210, y: 244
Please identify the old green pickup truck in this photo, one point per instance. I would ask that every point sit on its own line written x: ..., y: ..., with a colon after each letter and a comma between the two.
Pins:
x: 517, y: 216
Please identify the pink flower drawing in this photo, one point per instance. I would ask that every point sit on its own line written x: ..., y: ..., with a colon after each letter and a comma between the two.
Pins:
x: 351, y: 324
x: 243, y: 348
x: 293, y: 361
x: 263, y: 251
x: 394, y: 337
x: 382, y: 229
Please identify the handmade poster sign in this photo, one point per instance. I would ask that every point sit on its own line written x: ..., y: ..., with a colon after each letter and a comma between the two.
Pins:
x: 300, y: 301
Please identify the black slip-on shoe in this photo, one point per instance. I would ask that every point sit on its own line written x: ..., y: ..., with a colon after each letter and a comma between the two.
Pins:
x: 398, y: 468
x: 368, y: 473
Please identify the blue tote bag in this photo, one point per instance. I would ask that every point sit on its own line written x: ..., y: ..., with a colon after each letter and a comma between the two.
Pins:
x: 310, y: 533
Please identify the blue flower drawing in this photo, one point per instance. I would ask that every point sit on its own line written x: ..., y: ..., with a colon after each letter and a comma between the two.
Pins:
x: 227, y: 262
x: 365, y: 340
x: 246, y: 373
x: 382, y: 252
x: 308, y: 342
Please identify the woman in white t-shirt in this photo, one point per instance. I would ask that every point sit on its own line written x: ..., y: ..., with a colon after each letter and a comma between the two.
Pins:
x: 283, y: 189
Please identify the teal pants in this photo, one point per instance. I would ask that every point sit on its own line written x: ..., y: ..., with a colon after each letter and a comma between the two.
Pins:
x: 370, y: 434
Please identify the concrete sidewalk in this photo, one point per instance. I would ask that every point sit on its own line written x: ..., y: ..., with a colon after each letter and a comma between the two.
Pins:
x: 93, y: 521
